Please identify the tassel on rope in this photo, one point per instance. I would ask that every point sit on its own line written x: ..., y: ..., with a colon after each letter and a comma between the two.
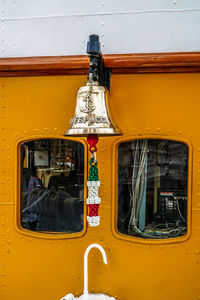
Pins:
x: 93, y: 184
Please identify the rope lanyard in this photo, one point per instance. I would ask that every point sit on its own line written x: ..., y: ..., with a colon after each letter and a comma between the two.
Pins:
x: 93, y: 184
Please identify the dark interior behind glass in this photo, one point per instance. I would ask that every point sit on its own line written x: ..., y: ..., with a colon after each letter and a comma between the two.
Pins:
x: 52, y: 185
x: 152, y: 188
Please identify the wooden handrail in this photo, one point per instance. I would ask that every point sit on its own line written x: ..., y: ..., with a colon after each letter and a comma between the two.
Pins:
x: 180, y: 62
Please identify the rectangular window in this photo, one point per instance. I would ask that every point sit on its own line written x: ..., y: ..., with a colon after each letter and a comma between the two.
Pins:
x: 152, y: 188
x: 52, y: 185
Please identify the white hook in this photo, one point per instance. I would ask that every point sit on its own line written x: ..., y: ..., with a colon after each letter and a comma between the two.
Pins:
x: 85, y: 292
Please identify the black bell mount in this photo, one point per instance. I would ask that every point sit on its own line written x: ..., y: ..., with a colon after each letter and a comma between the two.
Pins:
x: 97, y: 72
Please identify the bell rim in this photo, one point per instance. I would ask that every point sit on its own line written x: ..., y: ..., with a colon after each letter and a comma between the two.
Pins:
x: 99, y: 131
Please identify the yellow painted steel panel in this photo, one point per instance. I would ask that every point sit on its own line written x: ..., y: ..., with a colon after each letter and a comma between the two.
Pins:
x: 37, y: 266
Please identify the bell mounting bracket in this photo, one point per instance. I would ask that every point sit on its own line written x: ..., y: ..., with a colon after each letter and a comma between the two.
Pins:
x: 97, y: 71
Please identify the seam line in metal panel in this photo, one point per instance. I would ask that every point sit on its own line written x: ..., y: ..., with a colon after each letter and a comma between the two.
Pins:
x: 104, y: 14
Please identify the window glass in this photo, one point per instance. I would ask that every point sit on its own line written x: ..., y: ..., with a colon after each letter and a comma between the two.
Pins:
x: 52, y: 184
x: 152, y: 188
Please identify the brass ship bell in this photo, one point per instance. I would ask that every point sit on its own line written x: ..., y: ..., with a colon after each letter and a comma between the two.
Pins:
x: 92, y: 112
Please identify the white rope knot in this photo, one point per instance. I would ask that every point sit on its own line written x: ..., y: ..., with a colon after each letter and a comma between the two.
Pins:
x: 93, y: 197
x: 93, y: 221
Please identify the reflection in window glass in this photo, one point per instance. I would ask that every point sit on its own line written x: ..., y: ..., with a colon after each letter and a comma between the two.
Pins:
x: 52, y: 184
x: 152, y: 188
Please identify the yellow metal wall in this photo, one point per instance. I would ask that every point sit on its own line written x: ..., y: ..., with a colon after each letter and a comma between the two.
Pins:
x: 33, y: 267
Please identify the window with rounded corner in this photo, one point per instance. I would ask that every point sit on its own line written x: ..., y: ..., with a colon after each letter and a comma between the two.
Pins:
x: 152, y: 188
x: 52, y: 186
